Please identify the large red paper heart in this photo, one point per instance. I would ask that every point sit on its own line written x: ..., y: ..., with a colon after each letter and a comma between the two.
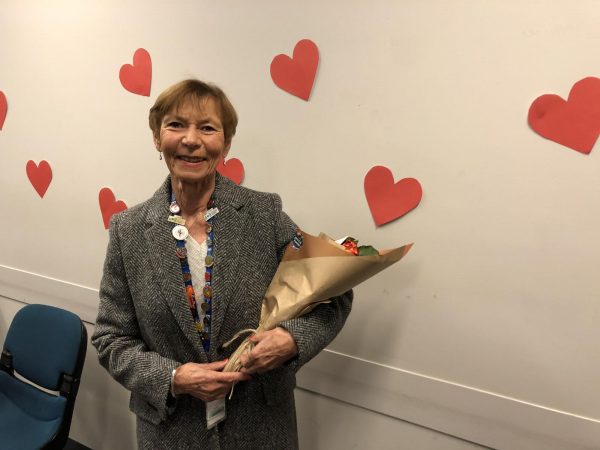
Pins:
x: 137, y: 78
x: 232, y: 169
x: 296, y: 75
x: 388, y: 200
x: 3, y: 108
x: 109, y: 205
x: 39, y: 176
x: 574, y: 123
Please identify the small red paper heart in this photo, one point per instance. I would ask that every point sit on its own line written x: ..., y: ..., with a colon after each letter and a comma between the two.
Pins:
x: 388, y: 200
x: 574, y: 123
x: 109, y: 205
x: 39, y: 176
x: 296, y: 75
x: 137, y: 78
x: 232, y: 169
x: 3, y: 108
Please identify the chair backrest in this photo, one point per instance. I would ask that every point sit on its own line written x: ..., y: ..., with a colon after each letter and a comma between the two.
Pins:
x: 47, y: 346
x: 45, y: 343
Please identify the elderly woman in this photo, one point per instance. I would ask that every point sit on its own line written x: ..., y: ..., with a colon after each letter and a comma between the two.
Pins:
x: 184, y: 271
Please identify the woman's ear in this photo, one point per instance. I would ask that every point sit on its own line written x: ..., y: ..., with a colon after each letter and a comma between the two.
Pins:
x: 226, y: 149
x: 156, y: 139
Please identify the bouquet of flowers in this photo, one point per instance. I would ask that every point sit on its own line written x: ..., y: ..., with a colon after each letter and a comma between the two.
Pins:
x: 312, y: 271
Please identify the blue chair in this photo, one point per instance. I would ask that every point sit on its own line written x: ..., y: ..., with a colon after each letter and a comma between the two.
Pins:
x: 46, y: 346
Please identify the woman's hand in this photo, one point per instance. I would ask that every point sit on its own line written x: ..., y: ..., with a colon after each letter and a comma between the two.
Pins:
x: 205, y: 381
x: 271, y: 350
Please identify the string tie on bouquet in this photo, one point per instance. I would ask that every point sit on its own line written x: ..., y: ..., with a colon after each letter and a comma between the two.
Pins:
x: 237, y: 335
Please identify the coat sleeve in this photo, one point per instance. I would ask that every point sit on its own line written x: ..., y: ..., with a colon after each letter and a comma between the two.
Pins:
x: 315, y: 330
x: 117, y: 338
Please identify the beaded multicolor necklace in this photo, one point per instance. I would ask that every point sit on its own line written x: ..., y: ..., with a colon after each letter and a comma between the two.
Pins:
x: 180, y: 233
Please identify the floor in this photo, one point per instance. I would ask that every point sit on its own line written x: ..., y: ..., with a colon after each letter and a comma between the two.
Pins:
x: 73, y: 445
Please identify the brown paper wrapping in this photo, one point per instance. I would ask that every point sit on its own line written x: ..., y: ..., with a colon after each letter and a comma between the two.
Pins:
x: 319, y: 270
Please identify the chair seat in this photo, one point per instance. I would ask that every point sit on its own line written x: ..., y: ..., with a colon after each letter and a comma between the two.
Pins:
x: 29, y: 420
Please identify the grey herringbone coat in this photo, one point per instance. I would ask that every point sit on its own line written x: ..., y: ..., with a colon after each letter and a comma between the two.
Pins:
x: 144, y: 328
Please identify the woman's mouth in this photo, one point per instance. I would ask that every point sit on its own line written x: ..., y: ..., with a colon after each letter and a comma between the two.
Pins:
x: 191, y: 159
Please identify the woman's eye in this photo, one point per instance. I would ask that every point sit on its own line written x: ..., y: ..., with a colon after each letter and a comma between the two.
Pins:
x: 174, y: 124
x: 208, y: 129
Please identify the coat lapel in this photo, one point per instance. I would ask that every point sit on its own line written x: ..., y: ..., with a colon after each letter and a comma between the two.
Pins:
x: 166, y: 266
x: 229, y: 226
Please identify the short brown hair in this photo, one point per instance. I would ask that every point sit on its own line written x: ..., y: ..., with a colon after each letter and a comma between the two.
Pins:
x: 194, y: 90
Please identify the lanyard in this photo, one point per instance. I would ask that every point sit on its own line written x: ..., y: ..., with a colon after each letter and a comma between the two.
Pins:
x: 180, y: 233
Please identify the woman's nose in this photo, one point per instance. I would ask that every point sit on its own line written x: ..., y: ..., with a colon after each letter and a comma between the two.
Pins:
x: 192, y: 137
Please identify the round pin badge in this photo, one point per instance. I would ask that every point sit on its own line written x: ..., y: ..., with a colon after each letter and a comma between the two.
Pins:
x: 174, y: 208
x: 180, y: 232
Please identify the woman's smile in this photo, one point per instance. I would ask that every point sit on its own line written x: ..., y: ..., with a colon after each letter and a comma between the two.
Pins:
x: 192, y: 160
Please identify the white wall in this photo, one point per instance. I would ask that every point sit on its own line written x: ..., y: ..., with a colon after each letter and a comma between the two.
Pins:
x: 488, y: 329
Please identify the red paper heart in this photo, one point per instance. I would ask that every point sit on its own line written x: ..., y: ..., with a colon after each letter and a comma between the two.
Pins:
x: 232, y: 169
x: 109, y: 205
x: 39, y: 176
x: 137, y: 78
x: 3, y: 108
x: 574, y: 123
x: 388, y: 200
x: 296, y: 75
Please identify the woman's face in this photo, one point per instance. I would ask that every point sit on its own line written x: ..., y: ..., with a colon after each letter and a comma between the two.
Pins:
x: 192, y: 141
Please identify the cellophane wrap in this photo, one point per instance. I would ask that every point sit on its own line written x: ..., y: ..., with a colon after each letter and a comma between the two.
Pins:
x: 312, y: 274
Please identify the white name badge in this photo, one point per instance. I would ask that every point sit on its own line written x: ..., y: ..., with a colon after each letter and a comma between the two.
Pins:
x: 215, y: 412
x: 212, y: 212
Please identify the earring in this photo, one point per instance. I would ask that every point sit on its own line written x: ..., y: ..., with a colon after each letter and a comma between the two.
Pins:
x: 160, y: 156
